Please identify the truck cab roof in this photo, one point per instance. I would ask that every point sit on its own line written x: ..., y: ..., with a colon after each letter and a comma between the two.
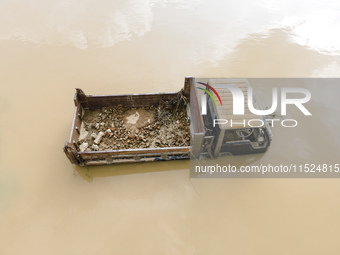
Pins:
x: 225, y: 111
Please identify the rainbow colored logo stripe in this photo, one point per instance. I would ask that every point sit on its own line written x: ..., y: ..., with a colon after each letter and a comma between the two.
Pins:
x: 213, y: 90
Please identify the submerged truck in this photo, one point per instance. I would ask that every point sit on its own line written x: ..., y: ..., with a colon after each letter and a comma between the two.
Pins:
x: 143, y: 117
x: 226, y: 133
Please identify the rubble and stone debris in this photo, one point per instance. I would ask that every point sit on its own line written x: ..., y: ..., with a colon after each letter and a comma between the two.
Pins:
x: 95, y: 147
x: 99, y: 138
x: 117, y: 128
x: 83, y: 146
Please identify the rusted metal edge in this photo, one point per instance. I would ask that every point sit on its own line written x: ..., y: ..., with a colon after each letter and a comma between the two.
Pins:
x: 135, y: 151
x: 132, y: 160
x: 187, y: 82
x: 128, y: 100
x: 72, y: 153
x: 73, y: 123
x: 196, y: 116
x: 106, y: 156
x: 126, y: 95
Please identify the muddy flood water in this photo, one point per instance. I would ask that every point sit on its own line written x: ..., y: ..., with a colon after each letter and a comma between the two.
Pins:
x: 49, y: 48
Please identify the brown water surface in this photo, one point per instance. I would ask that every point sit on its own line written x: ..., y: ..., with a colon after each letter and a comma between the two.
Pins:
x: 48, y: 206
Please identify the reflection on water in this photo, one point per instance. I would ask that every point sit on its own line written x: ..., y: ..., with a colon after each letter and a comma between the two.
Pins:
x: 273, y: 54
x: 91, y: 172
x: 49, y: 48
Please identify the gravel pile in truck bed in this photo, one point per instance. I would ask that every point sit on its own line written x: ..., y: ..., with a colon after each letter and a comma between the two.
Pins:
x: 116, y: 128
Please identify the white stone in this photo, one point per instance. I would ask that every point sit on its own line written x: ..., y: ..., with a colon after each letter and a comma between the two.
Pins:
x: 99, y: 138
x: 83, y: 146
x: 95, y: 147
x: 83, y: 132
x: 94, y: 135
x: 132, y: 119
